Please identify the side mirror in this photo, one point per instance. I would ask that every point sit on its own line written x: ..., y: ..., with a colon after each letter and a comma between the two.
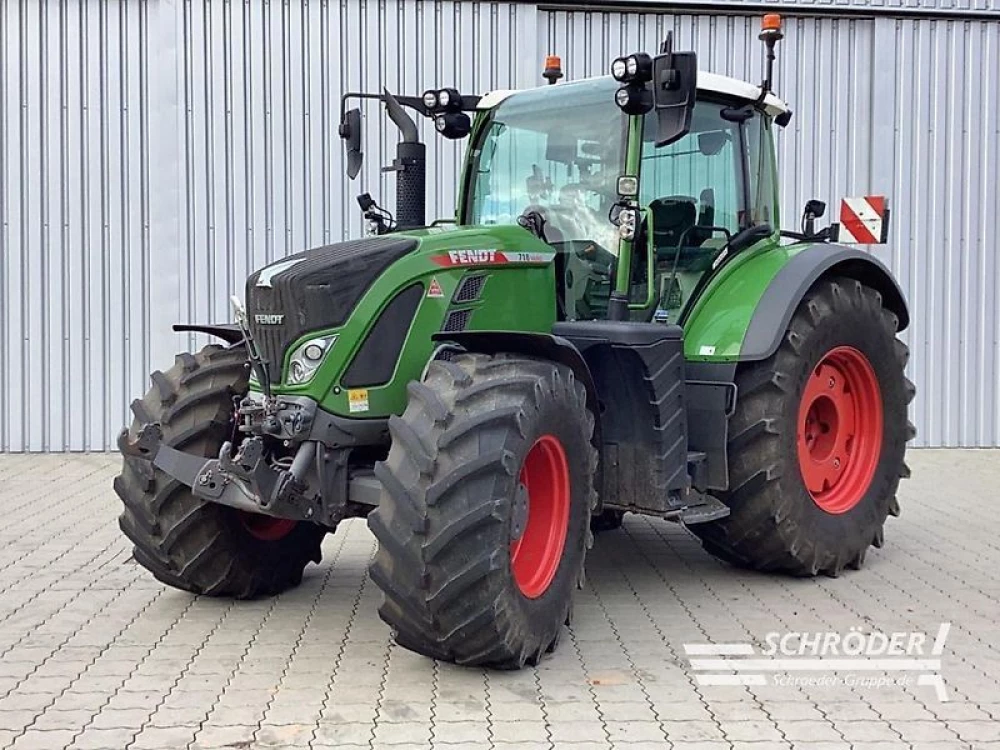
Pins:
x: 350, y: 131
x: 814, y: 210
x: 675, y: 86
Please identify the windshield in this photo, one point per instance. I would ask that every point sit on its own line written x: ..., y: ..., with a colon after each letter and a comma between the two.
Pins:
x: 556, y: 150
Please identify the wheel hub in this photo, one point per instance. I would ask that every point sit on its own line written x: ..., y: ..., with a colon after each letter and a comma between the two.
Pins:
x: 266, y: 528
x: 840, y: 429
x: 540, y: 516
x: 519, y: 513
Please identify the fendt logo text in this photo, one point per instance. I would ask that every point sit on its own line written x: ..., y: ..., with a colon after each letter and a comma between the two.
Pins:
x: 472, y: 257
x: 269, y: 319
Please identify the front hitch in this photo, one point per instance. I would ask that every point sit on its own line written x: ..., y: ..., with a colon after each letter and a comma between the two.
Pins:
x: 244, y: 480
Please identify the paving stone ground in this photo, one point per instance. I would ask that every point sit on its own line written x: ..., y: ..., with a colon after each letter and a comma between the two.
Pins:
x: 94, y: 653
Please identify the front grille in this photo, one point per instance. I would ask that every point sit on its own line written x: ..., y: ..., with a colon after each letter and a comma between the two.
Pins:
x: 457, y: 320
x: 317, y: 289
x: 271, y: 338
x: 470, y: 289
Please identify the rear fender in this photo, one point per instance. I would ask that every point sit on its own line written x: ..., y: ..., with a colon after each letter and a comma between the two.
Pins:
x: 786, y: 291
x: 743, y: 313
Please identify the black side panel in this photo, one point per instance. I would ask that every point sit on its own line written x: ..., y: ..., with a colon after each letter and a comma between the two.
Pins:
x: 711, y: 398
x: 376, y: 359
x: 638, y: 370
x: 316, y: 289
x: 775, y: 309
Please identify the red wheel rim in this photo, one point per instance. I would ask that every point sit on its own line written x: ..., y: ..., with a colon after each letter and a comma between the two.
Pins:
x: 266, y: 528
x: 535, y: 555
x: 840, y: 429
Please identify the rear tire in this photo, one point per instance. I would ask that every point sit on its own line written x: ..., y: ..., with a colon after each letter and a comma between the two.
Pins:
x: 484, y: 519
x: 197, y: 546
x: 807, y: 500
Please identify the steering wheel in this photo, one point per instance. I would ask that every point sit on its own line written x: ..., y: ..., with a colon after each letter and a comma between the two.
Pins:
x: 559, y: 219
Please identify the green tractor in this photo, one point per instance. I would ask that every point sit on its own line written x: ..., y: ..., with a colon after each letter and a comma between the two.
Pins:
x: 612, y: 323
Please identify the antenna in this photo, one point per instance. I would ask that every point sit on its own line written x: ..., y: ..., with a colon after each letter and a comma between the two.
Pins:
x: 667, y: 45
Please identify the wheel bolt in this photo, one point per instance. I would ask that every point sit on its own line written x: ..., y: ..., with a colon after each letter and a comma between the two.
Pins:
x: 832, y: 382
x: 836, y: 463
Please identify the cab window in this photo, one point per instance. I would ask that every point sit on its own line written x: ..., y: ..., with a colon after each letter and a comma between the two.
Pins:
x: 693, y: 189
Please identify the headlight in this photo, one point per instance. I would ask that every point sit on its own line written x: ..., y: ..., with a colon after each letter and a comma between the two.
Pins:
x: 430, y: 99
x: 307, y: 358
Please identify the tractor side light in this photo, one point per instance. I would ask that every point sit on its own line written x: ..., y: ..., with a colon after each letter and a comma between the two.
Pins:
x: 430, y: 100
x: 306, y: 359
x: 634, y: 99
x: 619, y: 69
x: 627, y: 219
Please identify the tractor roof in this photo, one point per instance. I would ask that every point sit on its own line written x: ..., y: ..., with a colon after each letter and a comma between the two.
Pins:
x: 707, y: 82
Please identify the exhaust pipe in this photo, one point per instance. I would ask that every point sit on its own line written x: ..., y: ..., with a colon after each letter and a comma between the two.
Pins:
x: 410, y: 166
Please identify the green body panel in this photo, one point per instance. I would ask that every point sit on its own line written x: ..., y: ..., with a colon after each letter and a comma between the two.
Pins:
x: 718, y: 321
x: 518, y: 296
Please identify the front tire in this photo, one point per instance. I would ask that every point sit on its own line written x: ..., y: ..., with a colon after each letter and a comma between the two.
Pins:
x: 484, y: 519
x: 817, y: 442
x: 185, y: 542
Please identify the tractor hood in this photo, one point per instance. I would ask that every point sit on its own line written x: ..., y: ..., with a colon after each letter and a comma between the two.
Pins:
x: 315, y: 289
x: 384, y: 299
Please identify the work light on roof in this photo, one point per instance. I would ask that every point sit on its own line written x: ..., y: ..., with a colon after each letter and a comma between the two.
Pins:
x: 634, y: 99
x: 637, y: 67
x: 442, y: 100
x: 619, y: 69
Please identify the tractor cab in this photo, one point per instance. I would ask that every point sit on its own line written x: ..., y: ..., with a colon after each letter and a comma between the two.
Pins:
x: 564, y: 162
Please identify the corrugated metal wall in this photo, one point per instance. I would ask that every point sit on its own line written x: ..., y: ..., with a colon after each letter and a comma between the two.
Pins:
x: 905, y: 108
x: 152, y: 152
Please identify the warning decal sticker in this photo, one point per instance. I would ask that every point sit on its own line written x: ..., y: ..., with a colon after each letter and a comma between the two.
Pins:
x: 357, y: 400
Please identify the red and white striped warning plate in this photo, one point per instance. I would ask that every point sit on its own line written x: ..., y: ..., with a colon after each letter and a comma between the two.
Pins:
x: 865, y: 220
